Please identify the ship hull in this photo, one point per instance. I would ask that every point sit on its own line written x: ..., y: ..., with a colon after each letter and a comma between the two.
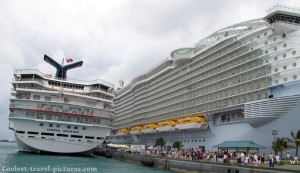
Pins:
x: 31, y: 137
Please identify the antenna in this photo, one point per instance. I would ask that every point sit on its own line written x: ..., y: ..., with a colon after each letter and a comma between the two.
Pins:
x: 61, y: 70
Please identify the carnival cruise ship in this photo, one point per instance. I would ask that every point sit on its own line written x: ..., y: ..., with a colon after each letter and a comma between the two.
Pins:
x: 239, y: 83
x: 56, y: 115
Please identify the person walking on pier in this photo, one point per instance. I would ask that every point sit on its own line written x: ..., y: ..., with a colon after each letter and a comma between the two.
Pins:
x: 271, y: 161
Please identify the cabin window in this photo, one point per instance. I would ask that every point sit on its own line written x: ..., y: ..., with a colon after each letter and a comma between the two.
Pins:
x: 295, y: 77
x: 47, y: 98
x: 284, y: 45
x: 36, y: 97
x: 76, y: 136
x: 19, y: 131
x: 48, y: 134
x: 33, y: 133
x: 62, y: 135
x: 284, y: 67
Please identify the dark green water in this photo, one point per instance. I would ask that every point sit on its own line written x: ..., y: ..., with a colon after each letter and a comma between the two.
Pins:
x: 13, y: 161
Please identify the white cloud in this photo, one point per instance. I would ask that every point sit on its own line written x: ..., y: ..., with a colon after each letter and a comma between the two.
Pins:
x: 116, y: 39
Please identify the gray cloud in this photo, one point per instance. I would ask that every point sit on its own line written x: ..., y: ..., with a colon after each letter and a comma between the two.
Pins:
x: 116, y: 39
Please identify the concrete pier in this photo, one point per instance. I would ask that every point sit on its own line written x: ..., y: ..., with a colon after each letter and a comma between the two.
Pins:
x: 179, y: 165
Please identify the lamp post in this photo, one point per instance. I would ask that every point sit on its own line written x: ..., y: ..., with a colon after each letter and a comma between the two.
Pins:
x: 274, y: 133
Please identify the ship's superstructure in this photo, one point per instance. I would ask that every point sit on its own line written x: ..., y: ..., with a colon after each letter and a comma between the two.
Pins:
x: 57, y: 115
x: 236, y: 84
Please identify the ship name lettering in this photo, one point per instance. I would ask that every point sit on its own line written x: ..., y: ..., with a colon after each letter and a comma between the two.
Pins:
x: 57, y: 130
x: 70, y: 131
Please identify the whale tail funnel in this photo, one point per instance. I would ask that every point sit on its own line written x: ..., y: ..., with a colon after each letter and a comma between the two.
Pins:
x: 61, y: 71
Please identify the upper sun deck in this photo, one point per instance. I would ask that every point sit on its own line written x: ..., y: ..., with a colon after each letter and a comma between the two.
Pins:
x: 235, y: 29
x: 282, y: 7
x: 50, y: 77
x: 283, y: 14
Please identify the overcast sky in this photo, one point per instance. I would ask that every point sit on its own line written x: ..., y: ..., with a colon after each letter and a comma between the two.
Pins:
x: 116, y: 39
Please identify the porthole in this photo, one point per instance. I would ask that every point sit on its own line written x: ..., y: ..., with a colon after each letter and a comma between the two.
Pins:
x: 258, y: 36
x: 283, y: 35
x: 245, y: 42
x: 267, y: 61
x: 284, y: 45
x: 284, y: 67
x: 266, y: 43
x: 276, y: 69
x: 275, y: 48
x: 275, y: 38
x: 251, y: 39
x: 294, y: 64
x: 284, y: 55
x: 265, y: 34
x: 251, y: 48
x: 294, y: 52
x: 275, y: 58
x: 266, y: 52
x: 295, y: 77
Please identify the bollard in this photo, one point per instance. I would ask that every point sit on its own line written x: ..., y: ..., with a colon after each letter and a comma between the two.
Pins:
x: 228, y: 170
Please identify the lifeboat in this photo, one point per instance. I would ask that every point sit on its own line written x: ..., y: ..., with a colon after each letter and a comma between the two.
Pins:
x: 191, y: 123
x: 136, y: 130
x: 166, y: 126
x: 150, y: 128
x: 122, y: 132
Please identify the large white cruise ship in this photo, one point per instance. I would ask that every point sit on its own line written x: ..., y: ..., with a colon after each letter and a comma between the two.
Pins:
x: 55, y: 115
x: 239, y: 83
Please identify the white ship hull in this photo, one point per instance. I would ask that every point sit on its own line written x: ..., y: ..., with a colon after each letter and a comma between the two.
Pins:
x: 56, y: 144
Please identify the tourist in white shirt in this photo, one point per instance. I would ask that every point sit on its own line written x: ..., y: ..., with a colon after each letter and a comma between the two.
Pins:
x: 277, y: 158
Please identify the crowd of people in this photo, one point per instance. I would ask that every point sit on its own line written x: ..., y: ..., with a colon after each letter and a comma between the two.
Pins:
x: 242, y: 158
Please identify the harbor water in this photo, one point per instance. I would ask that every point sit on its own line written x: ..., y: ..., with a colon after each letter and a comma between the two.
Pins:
x: 11, y: 160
